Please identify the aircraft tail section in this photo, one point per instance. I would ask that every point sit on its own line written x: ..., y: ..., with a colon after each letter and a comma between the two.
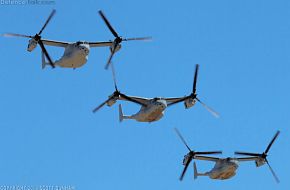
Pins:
x: 43, y: 61
x: 195, y: 170
x: 121, y: 115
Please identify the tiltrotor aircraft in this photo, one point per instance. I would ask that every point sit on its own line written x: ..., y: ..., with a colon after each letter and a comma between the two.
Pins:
x: 152, y: 109
x: 75, y: 53
x: 225, y: 168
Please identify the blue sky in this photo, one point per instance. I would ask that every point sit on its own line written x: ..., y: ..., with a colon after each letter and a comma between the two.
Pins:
x: 49, y: 136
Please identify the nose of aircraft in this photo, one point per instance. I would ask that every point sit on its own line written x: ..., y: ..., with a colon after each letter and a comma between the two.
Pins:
x: 162, y: 103
x: 84, y: 48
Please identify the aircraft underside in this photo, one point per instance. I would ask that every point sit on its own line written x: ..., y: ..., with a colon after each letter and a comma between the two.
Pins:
x: 75, y: 61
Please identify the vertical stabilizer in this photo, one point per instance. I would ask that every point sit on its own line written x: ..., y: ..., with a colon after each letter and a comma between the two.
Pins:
x: 121, y: 116
x: 195, y: 170
x: 42, y: 60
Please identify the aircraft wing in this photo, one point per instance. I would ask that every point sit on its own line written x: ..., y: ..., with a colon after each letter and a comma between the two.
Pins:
x: 207, y: 158
x: 172, y: 101
x: 139, y: 100
x: 252, y: 158
x: 100, y: 44
x: 64, y: 44
x: 55, y: 43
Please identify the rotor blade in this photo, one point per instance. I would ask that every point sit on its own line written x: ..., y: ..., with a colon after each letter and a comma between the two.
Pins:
x: 100, y: 106
x: 273, y: 173
x: 108, y: 24
x: 195, y: 79
x: 182, y: 139
x: 272, y: 141
x: 111, y: 56
x: 47, y: 21
x: 149, y: 38
x: 184, y: 170
x: 16, y: 35
x: 214, y: 113
x: 248, y: 154
x: 46, y: 53
x: 210, y: 152
x: 114, y: 76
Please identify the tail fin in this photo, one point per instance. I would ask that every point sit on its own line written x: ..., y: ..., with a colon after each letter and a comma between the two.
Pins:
x: 195, y: 170
x: 44, y: 63
x: 121, y: 116
x: 42, y: 60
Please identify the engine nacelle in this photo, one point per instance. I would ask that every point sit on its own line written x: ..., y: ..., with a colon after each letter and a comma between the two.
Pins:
x: 112, y: 101
x: 189, y: 103
x: 260, y: 162
x: 185, y: 159
x: 31, y: 45
x: 117, y: 48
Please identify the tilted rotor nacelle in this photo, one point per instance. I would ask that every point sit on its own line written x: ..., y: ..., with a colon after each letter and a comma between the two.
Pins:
x: 112, y: 100
x: 118, y: 47
x: 186, y: 159
x: 31, y: 44
x: 260, y: 162
x: 188, y: 103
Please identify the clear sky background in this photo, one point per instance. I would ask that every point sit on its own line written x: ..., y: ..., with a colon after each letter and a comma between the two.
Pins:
x: 49, y: 135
